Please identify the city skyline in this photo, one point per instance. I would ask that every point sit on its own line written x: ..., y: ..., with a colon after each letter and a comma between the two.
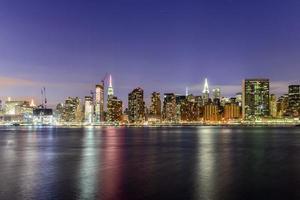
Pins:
x: 227, y: 91
x: 148, y: 44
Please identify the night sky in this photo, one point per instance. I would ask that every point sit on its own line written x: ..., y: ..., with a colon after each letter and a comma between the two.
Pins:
x: 159, y: 45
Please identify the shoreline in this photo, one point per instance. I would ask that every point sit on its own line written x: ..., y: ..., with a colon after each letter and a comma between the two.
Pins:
x: 152, y: 125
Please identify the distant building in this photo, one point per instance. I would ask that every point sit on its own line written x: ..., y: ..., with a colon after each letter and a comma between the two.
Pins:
x: 205, y: 92
x: 232, y: 111
x: 181, y: 108
x: 136, y: 106
x: 216, y: 93
x: 238, y: 98
x: 294, y: 101
x: 211, y: 112
x: 110, y: 89
x: 282, y: 105
x: 19, y: 111
x: 114, y: 109
x: 190, y: 110
x: 88, y: 109
x: 155, y: 107
x: 169, y: 108
x: 273, y: 106
x: 255, y: 98
x: 99, y: 103
x: 72, y: 111
x: 43, y: 116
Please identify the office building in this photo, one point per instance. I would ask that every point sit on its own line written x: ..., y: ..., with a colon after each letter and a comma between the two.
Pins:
x: 110, y: 89
x: 114, y: 110
x: 273, y: 106
x: 211, y: 112
x: 88, y: 109
x: 255, y: 99
x: 99, y: 103
x: 136, y: 106
x: 155, y: 107
x: 232, y: 111
x: 72, y: 110
x: 294, y: 101
x: 205, y: 92
x: 282, y: 106
x: 169, y: 108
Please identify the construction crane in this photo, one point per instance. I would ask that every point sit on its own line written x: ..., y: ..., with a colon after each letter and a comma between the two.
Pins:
x: 104, y: 79
x: 44, y: 97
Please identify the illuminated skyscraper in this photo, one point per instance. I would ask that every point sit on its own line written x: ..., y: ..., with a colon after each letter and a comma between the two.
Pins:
x: 238, y: 98
x: 282, y: 105
x: 169, y: 107
x: 205, y: 92
x: 110, y: 90
x: 88, y: 109
x: 136, y: 106
x: 255, y: 98
x: 99, y: 103
x: 155, y: 107
x: 72, y: 111
x: 273, y: 106
x: 294, y: 100
x: 216, y: 92
x: 114, y: 109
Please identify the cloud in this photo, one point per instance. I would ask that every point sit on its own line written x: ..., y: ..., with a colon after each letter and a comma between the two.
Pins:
x: 8, y: 81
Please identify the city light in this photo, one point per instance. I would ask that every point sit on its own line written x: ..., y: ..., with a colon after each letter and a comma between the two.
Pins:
x: 254, y: 105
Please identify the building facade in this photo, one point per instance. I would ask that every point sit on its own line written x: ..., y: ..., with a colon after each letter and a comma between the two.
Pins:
x: 273, y: 106
x: 255, y: 99
x: 232, y: 111
x: 88, y: 109
x: 155, y: 107
x: 136, y: 106
x: 294, y: 101
x: 99, y: 103
x: 114, y: 110
x: 169, y: 108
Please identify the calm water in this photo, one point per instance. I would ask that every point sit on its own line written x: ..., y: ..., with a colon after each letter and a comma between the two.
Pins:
x: 150, y: 163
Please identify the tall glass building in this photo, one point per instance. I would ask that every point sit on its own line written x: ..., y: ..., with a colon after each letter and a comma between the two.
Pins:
x: 294, y: 100
x: 256, y: 99
x: 136, y: 106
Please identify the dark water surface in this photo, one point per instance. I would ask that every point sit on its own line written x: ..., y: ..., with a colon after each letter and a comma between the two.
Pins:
x: 149, y: 163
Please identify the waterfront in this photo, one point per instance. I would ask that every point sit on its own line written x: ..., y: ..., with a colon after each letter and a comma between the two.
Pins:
x: 150, y: 163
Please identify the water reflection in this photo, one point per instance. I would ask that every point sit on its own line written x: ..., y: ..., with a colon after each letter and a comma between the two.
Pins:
x: 206, y: 164
x: 88, y: 170
x: 111, y: 172
x: 149, y: 163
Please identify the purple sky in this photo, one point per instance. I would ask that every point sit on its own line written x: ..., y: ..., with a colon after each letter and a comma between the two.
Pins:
x: 68, y: 46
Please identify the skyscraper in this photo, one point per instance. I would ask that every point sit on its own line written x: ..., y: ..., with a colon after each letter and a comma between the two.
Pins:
x: 216, y: 92
x: 136, y: 106
x: 155, y: 107
x: 273, y: 106
x: 282, y: 105
x: 169, y: 107
x: 114, y: 109
x: 72, y: 110
x: 255, y: 98
x: 110, y: 90
x: 88, y: 109
x: 205, y: 92
x: 294, y: 100
x: 99, y: 103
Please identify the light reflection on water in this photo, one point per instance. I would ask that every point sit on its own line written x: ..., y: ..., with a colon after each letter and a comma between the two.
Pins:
x: 149, y: 163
